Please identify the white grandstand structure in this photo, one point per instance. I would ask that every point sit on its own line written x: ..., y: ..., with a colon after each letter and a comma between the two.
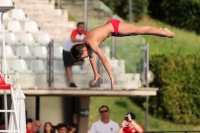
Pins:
x: 29, y: 29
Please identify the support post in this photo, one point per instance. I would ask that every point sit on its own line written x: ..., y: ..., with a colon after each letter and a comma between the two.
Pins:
x: 58, y: 4
x: 4, y: 71
x: 130, y: 12
x: 50, y: 64
x: 146, y: 70
x: 84, y: 114
x: 86, y: 14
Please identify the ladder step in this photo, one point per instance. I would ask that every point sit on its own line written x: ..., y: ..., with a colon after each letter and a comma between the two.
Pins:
x: 7, y: 111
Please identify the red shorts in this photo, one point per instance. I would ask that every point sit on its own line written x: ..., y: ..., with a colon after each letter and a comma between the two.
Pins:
x: 115, y: 24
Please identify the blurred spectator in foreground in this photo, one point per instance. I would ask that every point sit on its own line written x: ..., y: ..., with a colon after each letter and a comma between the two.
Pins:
x: 105, y: 125
x: 2, y: 124
x: 48, y: 128
x: 28, y: 124
x: 76, y: 37
x: 129, y: 124
x: 63, y: 128
x: 35, y: 127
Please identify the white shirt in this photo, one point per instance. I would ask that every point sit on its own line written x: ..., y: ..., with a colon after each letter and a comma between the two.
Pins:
x: 100, y: 127
x: 68, y: 43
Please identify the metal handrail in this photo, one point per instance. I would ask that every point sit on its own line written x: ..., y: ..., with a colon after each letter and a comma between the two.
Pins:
x: 17, y: 77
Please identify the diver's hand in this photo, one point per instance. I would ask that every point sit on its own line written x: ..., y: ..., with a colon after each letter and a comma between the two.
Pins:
x: 96, y: 77
x: 112, y: 80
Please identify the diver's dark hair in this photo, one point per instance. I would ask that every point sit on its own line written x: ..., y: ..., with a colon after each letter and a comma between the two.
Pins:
x: 80, y: 23
x: 77, y: 51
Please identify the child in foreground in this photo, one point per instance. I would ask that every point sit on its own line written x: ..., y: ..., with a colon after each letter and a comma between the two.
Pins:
x: 129, y: 124
x: 113, y: 27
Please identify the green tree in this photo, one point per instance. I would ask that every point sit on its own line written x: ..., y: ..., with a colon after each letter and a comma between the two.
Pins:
x: 177, y: 77
x: 121, y: 8
x: 180, y: 13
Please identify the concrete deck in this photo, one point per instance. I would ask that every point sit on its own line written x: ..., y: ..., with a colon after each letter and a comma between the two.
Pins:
x: 88, y: 92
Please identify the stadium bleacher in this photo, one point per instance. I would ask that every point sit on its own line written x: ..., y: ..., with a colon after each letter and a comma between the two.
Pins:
x: 43, y: 39
x: 6, y: 3
x: 10, y: 38
x: 28, y: 31
x: 18, y: 14
x: 57, y: 52
x: 9, y: 52
x: 20, y: 66
x: 58, y: 67
x: 14, y: 26
x: 38, y: 66
x: 27, y: 39
x: 40, y: 52
x: 23, y: 52
x: 31, y: 27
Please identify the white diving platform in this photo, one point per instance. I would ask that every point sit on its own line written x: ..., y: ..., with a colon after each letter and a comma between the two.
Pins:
x: 94, y: 91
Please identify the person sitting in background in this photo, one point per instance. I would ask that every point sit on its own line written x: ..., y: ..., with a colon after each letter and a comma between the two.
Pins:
x: 2, y: 124
x: 129, y: 124
x: 35, y: 127
x: 28, y: 125
x: 63, y: 128
x: 48, y: 128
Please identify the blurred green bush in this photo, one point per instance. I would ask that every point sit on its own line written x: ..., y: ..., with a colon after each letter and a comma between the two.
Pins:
x: 178, y: 80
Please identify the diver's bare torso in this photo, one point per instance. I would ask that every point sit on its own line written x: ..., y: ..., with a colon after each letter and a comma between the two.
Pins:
x: 97, y: 35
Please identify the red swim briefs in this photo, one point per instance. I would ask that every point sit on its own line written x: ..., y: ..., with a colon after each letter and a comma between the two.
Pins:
x: 115, y: 24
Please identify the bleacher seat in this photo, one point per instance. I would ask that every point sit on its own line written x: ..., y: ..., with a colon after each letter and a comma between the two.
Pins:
x: 18, y: 14
x: 5, y: 16
x: 43, y: 39
x: 10, y: 38
x: 6, y: 3
x: 27, y: 39
x: 14, y: 26
x: 58, y: 66
x: 38, y: 66
x: 31, y: 26
x: 19, y: 65
x: 9, y: 52
x: 7, y: 68
x: 57, y: 51
x: 40, y: 52
x: 24, y: 52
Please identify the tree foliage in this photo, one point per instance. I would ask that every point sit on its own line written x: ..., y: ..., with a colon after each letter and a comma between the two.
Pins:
x: 178, y: 80
x: 121, y: 8
x: 180, y: 13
